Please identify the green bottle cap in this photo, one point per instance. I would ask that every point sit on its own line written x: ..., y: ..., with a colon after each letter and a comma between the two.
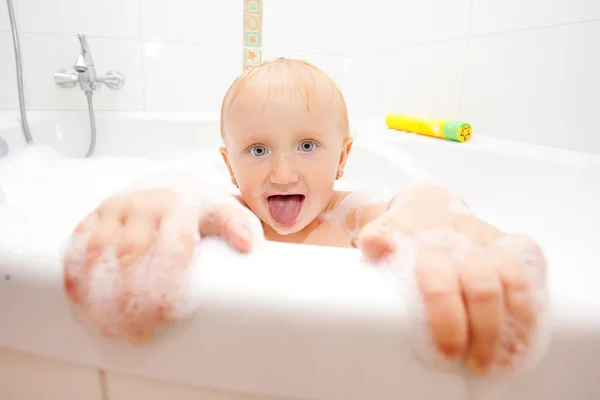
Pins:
x: 457, y: 131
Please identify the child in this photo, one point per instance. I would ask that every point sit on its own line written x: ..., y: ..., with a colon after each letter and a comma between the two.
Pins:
x: 286, y: 140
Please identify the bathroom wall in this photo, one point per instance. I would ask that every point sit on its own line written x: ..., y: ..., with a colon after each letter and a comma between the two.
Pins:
x: 179, y: 55
x: 523, y: 70
x: 312, y: 30
x: 175, y: 55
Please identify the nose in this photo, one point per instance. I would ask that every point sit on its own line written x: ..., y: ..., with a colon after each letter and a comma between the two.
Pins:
x: 283, y: 172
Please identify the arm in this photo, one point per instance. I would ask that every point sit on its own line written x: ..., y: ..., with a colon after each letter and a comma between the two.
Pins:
x: 425, y: 199
x: 154, y: 226
x: 482, y: 291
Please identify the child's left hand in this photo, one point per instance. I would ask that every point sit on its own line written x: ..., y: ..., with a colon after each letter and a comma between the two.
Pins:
x: 479, y: 285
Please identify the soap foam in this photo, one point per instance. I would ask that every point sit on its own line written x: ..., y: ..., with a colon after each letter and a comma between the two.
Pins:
x: 130, y: 301
x: 352, y: 203
x: 525, y: 356
x: 79, y: 185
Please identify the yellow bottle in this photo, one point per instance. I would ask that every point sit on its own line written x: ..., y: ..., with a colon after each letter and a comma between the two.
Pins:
x: 445, y: 129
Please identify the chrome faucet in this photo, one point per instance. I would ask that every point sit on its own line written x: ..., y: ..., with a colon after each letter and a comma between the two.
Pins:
x: 84, y: 65
x: 84, y: 72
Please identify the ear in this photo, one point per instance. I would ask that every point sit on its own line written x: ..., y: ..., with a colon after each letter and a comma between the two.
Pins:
x: 225, y: 156
x: 347, y: 147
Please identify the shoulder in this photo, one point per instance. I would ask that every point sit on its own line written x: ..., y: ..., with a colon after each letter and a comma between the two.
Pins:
x: 357, y: 208
x: 240, y: 199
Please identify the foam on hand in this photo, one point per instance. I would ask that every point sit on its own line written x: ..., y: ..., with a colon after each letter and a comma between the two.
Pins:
x: 518, y: 353
x: 131, y: 301
x: 351, y: 205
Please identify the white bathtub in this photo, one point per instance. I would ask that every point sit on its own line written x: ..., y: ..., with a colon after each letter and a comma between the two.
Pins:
x: 305, y: 330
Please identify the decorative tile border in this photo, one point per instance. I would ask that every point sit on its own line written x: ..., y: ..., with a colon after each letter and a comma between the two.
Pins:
x: 252, y: 33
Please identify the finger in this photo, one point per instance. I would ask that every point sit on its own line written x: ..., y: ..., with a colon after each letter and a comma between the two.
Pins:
x: 103, y: 235
x: 88, y: 224
x: 476, y: 229
x: 517, y: 287
x: 438, y: 283
x: 137, y: 237
x: 519, y: 302
x: 75, y: 273
x: 143, y: 214
x: 168, y: 267
x: 376, y: 240
x: 75, y: 270
x: 175, y: 248
x: 482, y: 291
x: 229, y: 222
x: 529, y: 252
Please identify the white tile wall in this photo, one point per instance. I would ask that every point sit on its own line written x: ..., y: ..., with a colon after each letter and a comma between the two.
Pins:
x: 422, y: 21
x: 363, y: 83
x: 363, y: 28
x: 189, y: 21
x: 189, y: 76
x: 491, y: 16
x: 314, y: 26
x: 106, y: 18
x: 8, y: 81
x: 44, y: 54
x: 509, y: 67
x: 180, y: 55
x: 521, y: 70
x: 424, y: 80
x: 539, y: 86
x: 4, y: 20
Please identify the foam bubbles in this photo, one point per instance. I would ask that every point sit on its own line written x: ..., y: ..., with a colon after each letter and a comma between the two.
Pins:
x: 352, y: 203
x: 519, y: 352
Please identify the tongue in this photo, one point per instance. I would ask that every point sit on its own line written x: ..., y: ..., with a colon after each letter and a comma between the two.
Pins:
x: 285, y: 209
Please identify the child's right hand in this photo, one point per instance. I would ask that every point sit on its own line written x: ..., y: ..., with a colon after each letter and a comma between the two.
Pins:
x: 126, y: 266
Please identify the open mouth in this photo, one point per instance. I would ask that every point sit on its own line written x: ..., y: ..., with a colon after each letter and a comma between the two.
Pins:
x: 285, y: 209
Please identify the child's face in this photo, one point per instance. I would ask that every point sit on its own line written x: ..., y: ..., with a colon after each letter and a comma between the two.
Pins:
x: 284, y: 148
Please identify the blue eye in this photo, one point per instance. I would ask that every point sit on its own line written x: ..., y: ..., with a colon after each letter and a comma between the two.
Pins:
x: 258, y: 151
x: 307, y: 146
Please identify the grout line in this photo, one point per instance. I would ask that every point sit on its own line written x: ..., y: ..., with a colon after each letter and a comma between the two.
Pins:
x: 464, y: 65
x: 478, y: 36
x: 143, y: 77
x: 177, y: 42
x: 462, y: 79
x: 141, y: 19
x: 383, y: 106
x: 49, y: 110
x: 470, y: 22
x: 322, y: 53
x: 537, y: 28
x: 103, y: 385
x: 132, y: 39
x: 482, y: 35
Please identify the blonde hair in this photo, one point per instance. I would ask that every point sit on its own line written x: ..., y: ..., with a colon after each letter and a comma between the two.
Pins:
x: 300, y: 74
